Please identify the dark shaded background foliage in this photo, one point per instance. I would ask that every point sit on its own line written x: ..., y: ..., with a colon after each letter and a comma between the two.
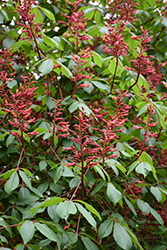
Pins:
x: 83, y: 124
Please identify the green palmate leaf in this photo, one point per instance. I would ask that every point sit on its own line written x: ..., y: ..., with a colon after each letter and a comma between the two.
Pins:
x: 97, y: 59
x: 100, y: 172
x: 144, y: 206
x: 84, y: 108
x: 47, y: 12
x: 113, y: 194
x: 3, y: 135
x: 46, y: 67
x: 53, y: 213
x: 90, y: 208
x: 20, y: 247
x: 86, y: 214
x: 9, y: 140
x: 73, y: 107
x: 98, y: 187
x: 105, y: 228
x: 101, y: 86
x: 157, y: 193
x: 133, y: 237
x: 89, y: 244
x: 50, y: 103
x: 47, y: 232
x: 50, y: 202
x: 143, y: 168
x: 160, y: 247
x: 19, y: 44
x: 3, y: 223
x: 42, y: 165
x: 69, y: 238
x: 146, y: 158
x: 27, y: 231
x: 64, y: 209
x: 130, y: 206
x: 52, y: 42
x: 38, y: 15
x: 12, y: 183
x: 11, y: 84
x: 27, y: 172
x: 156, y: 216
x: 25, y: 178
x: 121, y: 237
x: 65, y: 70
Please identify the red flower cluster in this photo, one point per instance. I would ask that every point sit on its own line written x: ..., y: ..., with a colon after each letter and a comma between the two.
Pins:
x: 134, y: 189
x: 145, y: 64
x: 20, y: 103
x: 27, y: 22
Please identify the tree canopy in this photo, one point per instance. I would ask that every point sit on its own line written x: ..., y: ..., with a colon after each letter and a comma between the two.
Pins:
x: 83, y: 131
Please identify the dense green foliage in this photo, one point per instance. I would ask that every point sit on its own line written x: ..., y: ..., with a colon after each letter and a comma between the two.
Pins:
x: 83, y: 132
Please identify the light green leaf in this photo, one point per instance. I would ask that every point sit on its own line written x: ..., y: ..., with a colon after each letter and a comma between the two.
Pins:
x: 25, y: 178
x: 3, y: 223
x: 101, y: 86
x: 97, y: 59
x: 133, y: 237
x: 27, y: 171
x: 3, y: 135
x: 12, y: 183
x: 105, y: 228
x: 146, y: 158
x: 64, y: 209
x: 48, y: 13
x: 156, y: 216
x: 69, y: 238
x: 46, y: 67
x: 27, y: 231
x: 52, y: 42
x: 65, y: 70
x: 53, y: 213
x: 143, y: 168
x: 97, y: 16
x: 100, y: 172
x: 47, y: 232
x: 144, y: 206
x: 9, y: 140
x: 157, y: 193
x: 18, y: 44
x: 73, y: 107
x: 50, y: 103
x: 113, y: 194
x: 86, y: 214
x: 130, y: 206
x: 90, y: 208
x: 11, y: 84
x: 164, y: 21
x: 38, y: 15
x: 89, y: 244
x: 121, y: 237
x: 47, y: 203
x: 42, y: 165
